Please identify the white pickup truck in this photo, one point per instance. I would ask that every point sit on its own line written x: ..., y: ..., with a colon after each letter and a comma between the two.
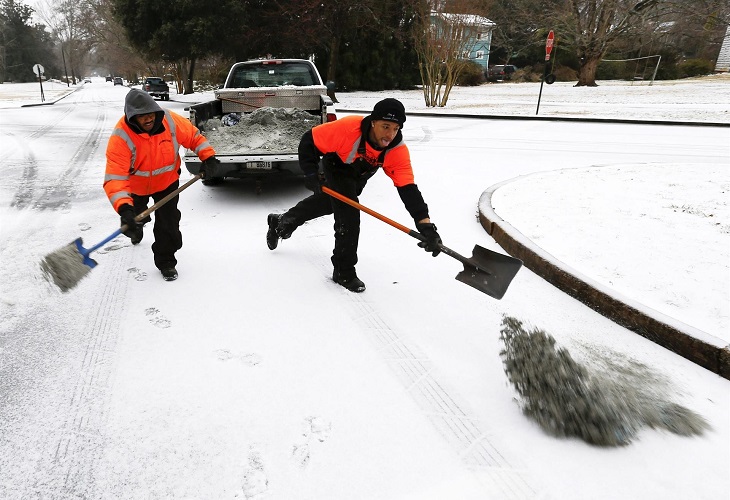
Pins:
x: 258, y: 117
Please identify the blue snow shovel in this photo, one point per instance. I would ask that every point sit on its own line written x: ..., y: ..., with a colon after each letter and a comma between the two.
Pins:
x: 66, y: 266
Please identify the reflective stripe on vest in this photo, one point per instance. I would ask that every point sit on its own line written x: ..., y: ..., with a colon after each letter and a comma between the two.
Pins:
x: 203, y: 145
x: 132, y: 148
x: 120, y: 132
x: 112, y: 177
x: 353, y: 153
x: 120, y: 194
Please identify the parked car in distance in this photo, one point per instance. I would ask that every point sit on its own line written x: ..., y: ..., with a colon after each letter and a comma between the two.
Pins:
x: 109, y: 78
x: 87, y: 80
x: 118, y: 80
x: 501, y: 72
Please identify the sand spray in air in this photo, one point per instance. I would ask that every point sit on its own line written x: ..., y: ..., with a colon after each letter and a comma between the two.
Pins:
x: 606, y: 404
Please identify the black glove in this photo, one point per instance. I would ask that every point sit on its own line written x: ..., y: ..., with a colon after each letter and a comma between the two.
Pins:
x: 433, y: 240
x: 208, y: 167
x: 127, y: 214
x: 313, y: 183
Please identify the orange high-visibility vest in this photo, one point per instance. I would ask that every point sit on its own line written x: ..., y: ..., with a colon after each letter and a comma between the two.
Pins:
x: 342, y: 137
x: 139, y: 163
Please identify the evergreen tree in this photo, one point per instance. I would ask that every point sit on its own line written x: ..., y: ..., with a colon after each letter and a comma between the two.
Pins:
x: 22, y: 43
x: 180, y: 32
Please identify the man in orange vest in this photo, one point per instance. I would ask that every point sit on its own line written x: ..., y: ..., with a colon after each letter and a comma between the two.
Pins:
x: 352, y: 150
x: 142, y: 162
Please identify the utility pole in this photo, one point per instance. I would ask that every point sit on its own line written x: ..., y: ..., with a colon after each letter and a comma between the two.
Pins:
x: 65, y: 73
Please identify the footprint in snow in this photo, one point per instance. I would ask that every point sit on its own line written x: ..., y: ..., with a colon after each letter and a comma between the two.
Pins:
x: 156, y: 318
x: 249, y: 359
x: 138, y: 274
x: 319, y: 428
x: 300, y: 454
x: 114, y: 246
x: 314, y: 429
x: 83, y: 226
x: 255, y: 484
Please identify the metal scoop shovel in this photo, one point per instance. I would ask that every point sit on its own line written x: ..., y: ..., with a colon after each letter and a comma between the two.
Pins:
x: 487, y: 271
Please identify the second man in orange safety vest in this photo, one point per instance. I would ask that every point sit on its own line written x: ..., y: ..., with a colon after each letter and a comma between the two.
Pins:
x: 352, y: 149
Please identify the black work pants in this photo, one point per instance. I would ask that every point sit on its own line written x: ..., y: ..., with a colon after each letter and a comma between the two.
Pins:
x: 168, y: 238
x: 347, y: 182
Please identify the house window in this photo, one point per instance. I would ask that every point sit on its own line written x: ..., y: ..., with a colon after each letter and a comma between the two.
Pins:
x: 465, y: 54
x: 480, y: 54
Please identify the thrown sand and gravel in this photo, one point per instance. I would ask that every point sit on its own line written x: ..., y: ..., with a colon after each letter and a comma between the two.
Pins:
x: 605, y: 408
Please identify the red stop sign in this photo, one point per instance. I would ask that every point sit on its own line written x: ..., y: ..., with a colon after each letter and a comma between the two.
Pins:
x: 549, y: 45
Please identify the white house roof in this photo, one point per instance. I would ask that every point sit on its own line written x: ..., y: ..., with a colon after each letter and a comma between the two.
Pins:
x: 466, y: 19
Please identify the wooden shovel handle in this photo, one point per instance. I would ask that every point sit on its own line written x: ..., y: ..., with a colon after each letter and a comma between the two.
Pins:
x: 408, y: 231
x: 375, y: 214
x: 162, y: 202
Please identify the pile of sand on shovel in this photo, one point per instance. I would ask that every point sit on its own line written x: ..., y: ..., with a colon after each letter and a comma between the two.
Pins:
x: 568, y: 400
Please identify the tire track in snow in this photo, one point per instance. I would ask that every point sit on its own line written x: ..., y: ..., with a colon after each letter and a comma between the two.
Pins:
x: 27, y: 187
x: 469, y: 437
x: 27, y: 183
x: 81, y: 440
x: 65, y: 189
x: 30, y: 191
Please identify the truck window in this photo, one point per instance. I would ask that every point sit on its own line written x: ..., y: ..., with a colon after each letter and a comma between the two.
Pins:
x: 271, y: 75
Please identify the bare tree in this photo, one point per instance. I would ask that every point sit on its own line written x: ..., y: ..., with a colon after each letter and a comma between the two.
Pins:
x: 111, y: 49
x: 65, y: 21
x: 596, y: 24
x: 441, y: 40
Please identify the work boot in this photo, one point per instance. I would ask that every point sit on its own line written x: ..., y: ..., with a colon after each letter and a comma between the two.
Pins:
x: 272, y: 238
x: 287, y: 225
x: 280, y: 226
x: 348, y: 280
x: 169, y: 273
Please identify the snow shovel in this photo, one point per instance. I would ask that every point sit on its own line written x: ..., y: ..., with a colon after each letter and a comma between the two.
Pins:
x: 487, y: 271
x: 66, y: 266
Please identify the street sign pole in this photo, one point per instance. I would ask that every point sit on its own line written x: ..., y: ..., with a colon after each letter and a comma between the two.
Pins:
x: 38, y: 70
x: 548, y: 49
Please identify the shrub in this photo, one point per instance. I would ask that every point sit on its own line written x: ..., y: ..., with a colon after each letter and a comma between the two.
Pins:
x: 694, y: 67
x: 525, y: 74
x: 471, y: 75
x: 565, y: 74
x: 613, y: 70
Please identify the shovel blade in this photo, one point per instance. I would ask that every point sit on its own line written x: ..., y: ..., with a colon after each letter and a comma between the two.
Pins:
x: 489, y: 272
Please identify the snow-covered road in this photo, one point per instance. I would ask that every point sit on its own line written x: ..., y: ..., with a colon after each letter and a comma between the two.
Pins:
x: 254, y: 376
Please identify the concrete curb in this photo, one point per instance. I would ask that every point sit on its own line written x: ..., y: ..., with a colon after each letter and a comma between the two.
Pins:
x: 689, y: 342
x: 48, y: 103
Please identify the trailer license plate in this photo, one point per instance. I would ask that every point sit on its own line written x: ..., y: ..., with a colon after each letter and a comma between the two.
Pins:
x: 260, y: 165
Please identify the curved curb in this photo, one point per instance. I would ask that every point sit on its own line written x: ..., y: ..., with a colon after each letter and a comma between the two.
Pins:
x: 689, y: 342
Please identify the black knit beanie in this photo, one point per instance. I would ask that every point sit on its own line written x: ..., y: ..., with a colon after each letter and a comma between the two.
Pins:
x: 389, y: 109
